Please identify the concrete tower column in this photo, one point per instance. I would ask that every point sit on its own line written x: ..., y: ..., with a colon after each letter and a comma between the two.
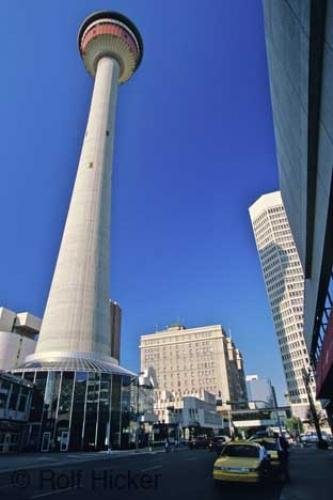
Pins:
x: 78, y: 302
x: 76, y: 322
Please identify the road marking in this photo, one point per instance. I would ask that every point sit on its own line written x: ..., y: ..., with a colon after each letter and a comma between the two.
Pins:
x: 155, y: 467
x: 41, y: 459
x: 54, y: 492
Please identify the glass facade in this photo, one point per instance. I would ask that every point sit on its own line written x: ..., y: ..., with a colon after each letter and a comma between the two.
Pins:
x: 15, y: 400
x: 80, y: 411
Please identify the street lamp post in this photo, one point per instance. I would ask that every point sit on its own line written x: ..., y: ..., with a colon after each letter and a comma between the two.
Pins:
x: 307, y: 379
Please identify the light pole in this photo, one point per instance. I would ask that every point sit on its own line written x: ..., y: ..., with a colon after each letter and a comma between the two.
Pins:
x: 307, y: 379
x: 230, y: 424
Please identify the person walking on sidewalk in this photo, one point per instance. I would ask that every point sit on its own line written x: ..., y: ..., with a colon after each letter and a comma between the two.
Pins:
x: 167, y: 445
x: 282, y: 446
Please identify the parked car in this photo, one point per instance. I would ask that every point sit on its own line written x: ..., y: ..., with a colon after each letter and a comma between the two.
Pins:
x: 243, y: 462
x: 259, y: 434
x: 199, y: 442
x: 327, y: 437
x: 217, y: 443
x: 309, y: 438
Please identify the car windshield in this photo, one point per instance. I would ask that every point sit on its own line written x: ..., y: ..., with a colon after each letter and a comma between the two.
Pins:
x: 242, y: 450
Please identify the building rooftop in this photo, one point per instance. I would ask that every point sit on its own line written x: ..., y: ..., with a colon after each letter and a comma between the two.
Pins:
x: 24, y: 321
x: 179, y: 330
x: 263, y: 202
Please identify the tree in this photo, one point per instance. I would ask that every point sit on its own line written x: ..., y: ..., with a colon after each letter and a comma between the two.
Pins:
x: 294, y: 424
x: 322, y: 417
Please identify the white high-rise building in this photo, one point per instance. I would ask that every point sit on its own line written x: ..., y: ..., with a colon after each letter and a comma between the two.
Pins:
x: 284, y: 281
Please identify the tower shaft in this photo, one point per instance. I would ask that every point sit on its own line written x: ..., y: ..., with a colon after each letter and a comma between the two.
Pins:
x: 77, y: 315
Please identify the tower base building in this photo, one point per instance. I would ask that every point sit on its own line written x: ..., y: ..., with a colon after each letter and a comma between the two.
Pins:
x: 78, y: 405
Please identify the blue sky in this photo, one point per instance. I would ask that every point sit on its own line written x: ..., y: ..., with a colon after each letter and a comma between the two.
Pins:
x: 194, y: 148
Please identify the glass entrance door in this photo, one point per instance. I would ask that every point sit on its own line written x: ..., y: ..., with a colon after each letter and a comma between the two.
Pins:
x: 46, y: 441
x: 64, y: 441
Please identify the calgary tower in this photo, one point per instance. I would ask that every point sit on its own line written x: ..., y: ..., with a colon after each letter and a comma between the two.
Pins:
x: 77, y: 316
x: 84, y: 394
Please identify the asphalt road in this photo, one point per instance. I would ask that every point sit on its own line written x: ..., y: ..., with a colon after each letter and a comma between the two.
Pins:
x: 174, y: 475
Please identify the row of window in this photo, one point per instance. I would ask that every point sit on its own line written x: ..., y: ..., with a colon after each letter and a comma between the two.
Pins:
x: 13, y: 396
x: 299, y: 352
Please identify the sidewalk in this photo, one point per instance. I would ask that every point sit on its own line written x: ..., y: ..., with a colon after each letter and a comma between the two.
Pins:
x: 311, y: 475
x: 26, y: 461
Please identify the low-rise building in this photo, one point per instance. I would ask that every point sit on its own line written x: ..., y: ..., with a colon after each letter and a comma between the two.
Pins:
x: 18, y: 337
x: 201, y: 412
x: 192, y: 414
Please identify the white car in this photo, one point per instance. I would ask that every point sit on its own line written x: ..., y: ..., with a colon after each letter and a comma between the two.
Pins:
x: 309, y: 437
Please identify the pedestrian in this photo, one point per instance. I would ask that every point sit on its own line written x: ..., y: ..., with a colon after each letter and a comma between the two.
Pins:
x: 150, y: 442
x: 167, y: 445
x: 282, y: 448
x: 284, y: 445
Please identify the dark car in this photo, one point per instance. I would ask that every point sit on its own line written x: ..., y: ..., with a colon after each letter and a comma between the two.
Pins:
x: 217, y: 443
x: 198, y: 442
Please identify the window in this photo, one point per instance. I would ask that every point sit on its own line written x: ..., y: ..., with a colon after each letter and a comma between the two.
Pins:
x: 241, y: 451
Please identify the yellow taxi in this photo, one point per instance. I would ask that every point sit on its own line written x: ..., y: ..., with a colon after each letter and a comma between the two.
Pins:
x: 242, y: 462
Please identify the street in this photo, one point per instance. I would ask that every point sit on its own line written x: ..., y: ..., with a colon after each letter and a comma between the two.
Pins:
x: 178, y: 475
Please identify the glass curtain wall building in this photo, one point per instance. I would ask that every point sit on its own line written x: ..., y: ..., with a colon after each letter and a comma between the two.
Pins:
x: 299, y: 42
x: 80, y: 410
x: 15, y: 402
